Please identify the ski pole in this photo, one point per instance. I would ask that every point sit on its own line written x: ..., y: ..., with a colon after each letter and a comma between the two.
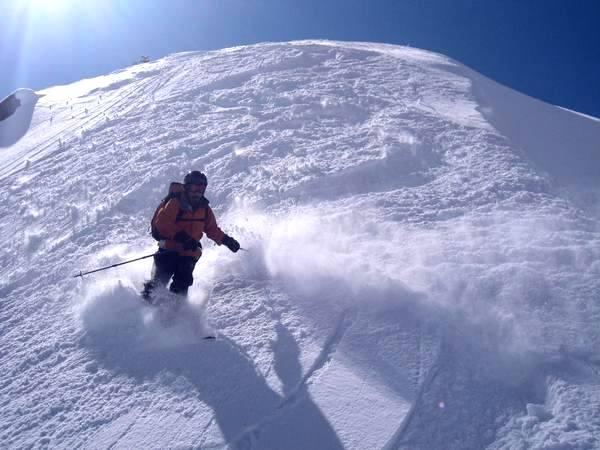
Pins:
x: 81, y: 274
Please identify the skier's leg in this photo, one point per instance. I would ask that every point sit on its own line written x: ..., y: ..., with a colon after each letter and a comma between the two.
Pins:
x: 162, y: 270
x: 183, y: 277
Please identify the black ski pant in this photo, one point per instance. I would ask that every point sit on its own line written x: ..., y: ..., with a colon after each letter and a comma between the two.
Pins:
x: 169, y: 265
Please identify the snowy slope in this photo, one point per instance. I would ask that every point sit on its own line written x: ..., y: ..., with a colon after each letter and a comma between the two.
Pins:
x: 422, y: 269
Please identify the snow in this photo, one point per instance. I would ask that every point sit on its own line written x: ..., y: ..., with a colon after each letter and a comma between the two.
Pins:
x: 422, y: 265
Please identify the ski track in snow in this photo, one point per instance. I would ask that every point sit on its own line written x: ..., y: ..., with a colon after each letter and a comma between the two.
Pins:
x: 326, y: 355
x: 422, y: 269
x: 249, y: 436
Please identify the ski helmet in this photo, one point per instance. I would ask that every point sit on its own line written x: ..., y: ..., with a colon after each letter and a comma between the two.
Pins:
x: 195, y: 177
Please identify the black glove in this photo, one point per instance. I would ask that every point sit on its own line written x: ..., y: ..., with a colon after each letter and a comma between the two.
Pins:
x: 231, y: 243
x: 188, y: 242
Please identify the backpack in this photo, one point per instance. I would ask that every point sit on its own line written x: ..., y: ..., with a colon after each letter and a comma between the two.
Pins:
x: 175, y: 191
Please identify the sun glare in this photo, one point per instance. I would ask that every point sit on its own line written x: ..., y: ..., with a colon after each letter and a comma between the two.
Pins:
x: 31, y: 23
x: 47, y: 6
x: 57, y: 11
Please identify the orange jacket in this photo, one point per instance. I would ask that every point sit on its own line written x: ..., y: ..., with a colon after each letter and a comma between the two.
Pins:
x: 179, y: 215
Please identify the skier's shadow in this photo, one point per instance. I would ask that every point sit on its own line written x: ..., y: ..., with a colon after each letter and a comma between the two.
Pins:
x: 246, y: 409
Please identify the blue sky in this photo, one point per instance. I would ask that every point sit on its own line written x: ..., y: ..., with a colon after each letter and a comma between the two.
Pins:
x: 548, y: 49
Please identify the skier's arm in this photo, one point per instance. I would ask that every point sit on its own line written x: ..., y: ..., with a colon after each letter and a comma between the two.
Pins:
x: 166, y: 219
x: 213, y: 231
x: 211, y: 228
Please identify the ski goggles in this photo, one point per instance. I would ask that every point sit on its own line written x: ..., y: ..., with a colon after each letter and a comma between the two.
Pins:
x: 195, y: 187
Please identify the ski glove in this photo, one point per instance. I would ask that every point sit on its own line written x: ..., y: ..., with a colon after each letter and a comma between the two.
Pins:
x: 188, y: 242
x: 231, y: 243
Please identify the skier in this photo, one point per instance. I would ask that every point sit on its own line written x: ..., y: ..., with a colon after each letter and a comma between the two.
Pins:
x: 178, y: 224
